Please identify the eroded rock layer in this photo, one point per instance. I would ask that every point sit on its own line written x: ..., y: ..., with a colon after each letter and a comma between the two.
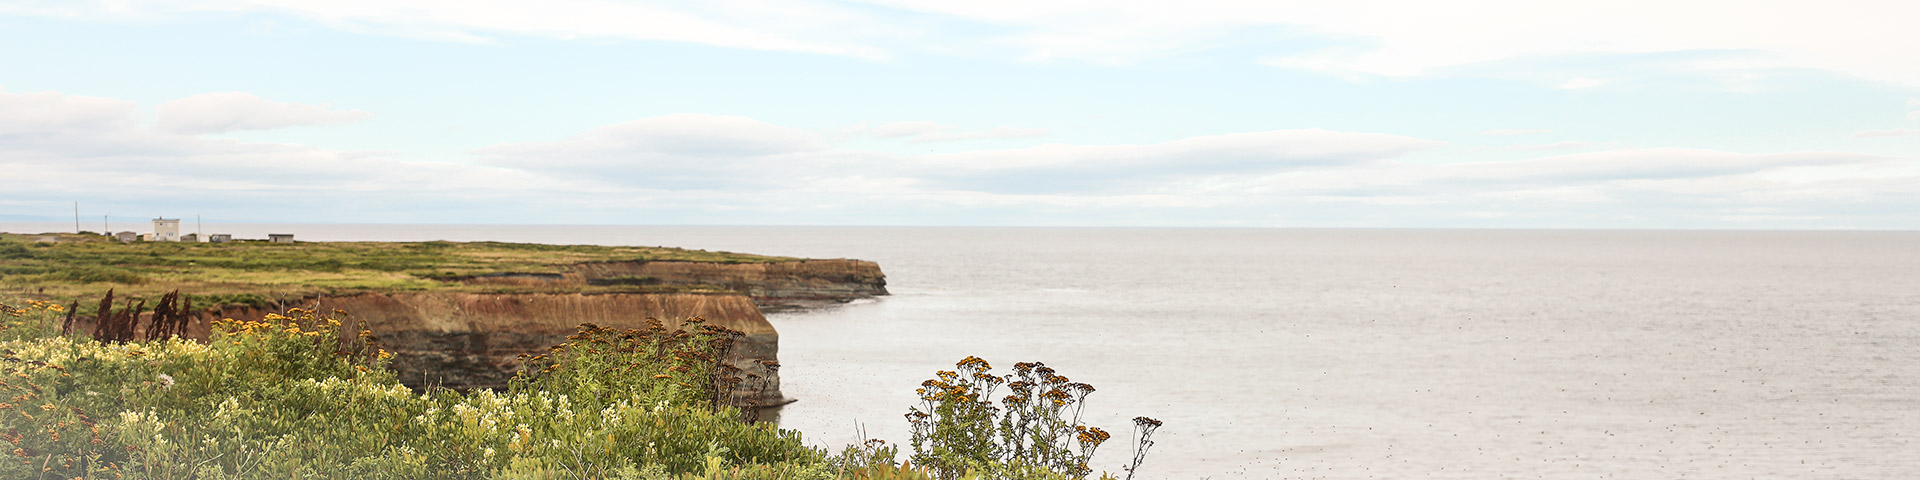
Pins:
x: 466, y: 340
x: 777, y: 285
x: 474, y: 340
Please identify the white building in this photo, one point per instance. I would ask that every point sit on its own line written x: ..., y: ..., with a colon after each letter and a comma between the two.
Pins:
x: 166, y: 229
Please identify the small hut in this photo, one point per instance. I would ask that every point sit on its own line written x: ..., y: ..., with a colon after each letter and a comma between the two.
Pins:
x: 126, y: 236
x: 219, y: 237
x: 280, y: 237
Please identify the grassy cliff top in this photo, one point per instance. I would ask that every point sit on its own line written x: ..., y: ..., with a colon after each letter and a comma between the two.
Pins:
x: 63, y: 267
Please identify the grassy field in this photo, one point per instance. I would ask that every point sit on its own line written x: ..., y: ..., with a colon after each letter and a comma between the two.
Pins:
x: 61, y: 267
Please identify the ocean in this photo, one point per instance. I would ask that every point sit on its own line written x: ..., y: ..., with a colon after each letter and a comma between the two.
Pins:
x: 1350, y: 354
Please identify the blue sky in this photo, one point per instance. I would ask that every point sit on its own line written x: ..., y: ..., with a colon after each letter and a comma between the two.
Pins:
x: 1506, y: 114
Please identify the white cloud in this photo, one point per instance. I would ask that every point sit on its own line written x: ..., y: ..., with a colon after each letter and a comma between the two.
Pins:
x: 1639, y: 164
x: 45, y: 112
x: 1545, y: 147
x: 707, y: 152
x: 1512, y: 131
x: 993, y: 133
x: 233, y: 111
x: 734, y: 24
x: 721, y: 169
x: 669, y: 152
x: 926, y: 132
x: 1363, y: 38
x: 1913, y: 103
x: 1399, y: 38
x: 1581, y: 83
x: 95, y: 149
x: 1229, y: 152
x: 1891, y: 132
x: 904, y: 129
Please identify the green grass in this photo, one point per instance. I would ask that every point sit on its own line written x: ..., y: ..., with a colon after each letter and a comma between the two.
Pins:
x: 252, y: 272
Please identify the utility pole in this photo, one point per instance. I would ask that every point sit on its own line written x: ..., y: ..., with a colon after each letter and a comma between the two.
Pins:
x: 104, y: 227
x: 76, y: 216
x: 199, y: 230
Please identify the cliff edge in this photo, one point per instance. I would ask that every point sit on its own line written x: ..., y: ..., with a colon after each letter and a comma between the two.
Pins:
x: 465, y: 340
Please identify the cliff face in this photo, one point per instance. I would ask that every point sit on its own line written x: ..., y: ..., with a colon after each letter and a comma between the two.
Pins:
x: 771, y: 285
x: 777, y: 285
x: 473, y: 340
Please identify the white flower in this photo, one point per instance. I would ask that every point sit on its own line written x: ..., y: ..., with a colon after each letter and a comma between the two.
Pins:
x: 166, y: 381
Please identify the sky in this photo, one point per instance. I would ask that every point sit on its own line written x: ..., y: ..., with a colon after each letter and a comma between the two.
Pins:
x: 1671, y: 114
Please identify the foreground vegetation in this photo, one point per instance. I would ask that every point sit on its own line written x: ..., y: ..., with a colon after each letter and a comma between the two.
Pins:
x: 306, y: 395
x: 257, y: 272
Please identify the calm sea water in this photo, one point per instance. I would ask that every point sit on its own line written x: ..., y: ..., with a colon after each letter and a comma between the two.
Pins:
x: 1369, y: 353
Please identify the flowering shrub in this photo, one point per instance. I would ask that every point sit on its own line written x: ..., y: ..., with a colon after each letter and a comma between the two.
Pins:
x: 1033, y: 432
x: 34, y: 320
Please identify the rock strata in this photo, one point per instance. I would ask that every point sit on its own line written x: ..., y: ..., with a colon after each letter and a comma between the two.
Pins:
x: 473, y: 340
x: 778, y: 285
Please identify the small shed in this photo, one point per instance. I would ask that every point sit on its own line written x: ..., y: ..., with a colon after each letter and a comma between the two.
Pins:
x: 219, y: 237
x: 126, y: 236
x: 280, y: 237
x: 190, y: 237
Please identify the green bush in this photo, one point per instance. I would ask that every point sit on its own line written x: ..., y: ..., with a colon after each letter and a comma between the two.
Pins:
x: 11, y: 250
x: 99, y: 274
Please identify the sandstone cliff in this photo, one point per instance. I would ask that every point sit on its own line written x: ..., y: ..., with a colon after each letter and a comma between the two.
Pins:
x: 774, y: 285
x: 466, y: 340
x: 473, y: 340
